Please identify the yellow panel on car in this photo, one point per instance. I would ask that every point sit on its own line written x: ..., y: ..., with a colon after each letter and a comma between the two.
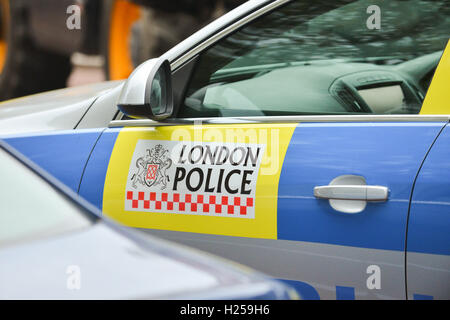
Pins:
x: 214, y: 179
x: 437, y: 100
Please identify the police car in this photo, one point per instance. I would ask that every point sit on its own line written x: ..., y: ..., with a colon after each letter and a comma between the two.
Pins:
x: 55, y: 246
x: 306, y: 140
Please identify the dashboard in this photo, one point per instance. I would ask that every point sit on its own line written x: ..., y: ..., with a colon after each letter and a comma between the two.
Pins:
x: 377, y: 91
x: 316, y: 87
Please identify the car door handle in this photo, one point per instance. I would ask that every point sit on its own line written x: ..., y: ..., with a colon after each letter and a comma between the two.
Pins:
x: 352, y: 192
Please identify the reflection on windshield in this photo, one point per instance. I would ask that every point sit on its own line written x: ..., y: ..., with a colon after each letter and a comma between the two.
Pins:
x: 409, y: 29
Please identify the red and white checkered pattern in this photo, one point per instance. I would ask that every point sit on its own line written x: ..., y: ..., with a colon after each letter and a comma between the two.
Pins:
x: 190, y: 203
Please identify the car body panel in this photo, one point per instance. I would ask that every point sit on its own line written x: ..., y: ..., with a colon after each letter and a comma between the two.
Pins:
x: 428, y: 242
x: 428, y: 220
x: 95, y: 171
x: 55, y: 110
x: 115, y: 265
x: 102, y: 110
x: 37, y: 266
x: 61, y: 153
x: 306, y: 238
x: 303, y: 264
x: 320, y: 152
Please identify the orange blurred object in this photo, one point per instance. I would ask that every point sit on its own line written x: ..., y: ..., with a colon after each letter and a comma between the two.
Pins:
x: 123, y: 16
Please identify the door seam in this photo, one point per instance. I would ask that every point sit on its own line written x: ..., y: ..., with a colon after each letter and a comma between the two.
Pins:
x: 409, y: 207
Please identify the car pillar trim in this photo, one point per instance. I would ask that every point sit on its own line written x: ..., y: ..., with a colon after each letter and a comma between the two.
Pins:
x: 178, y: 61
x: 279, y: 119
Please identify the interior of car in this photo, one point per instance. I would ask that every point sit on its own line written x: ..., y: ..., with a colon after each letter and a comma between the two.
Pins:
x: 286, y: 62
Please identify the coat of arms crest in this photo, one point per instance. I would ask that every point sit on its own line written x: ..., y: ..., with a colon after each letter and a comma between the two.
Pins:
x: 152, y: 168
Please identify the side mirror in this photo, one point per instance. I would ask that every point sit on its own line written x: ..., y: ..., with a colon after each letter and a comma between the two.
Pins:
x: 147, y: 93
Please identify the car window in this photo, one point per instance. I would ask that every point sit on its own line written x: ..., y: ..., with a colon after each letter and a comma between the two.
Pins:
x: 323, y: 57
x: 31, y: 208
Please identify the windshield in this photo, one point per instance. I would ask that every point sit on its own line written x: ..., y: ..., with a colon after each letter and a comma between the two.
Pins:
x: 30, y: 207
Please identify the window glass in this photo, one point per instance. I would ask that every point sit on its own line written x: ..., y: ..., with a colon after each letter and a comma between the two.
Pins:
x: 323, y: 57
x: 30, y: 208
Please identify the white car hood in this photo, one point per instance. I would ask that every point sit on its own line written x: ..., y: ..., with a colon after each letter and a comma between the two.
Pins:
x: 54, y: 110
x: 107, y: 265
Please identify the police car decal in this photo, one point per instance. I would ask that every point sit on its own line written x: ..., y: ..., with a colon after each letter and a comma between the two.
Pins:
x: 200, y: 178
x: 212, y: 179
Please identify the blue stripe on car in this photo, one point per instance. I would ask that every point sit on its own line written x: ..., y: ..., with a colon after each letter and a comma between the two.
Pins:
x: 63, y: 154
x: 92, y: 184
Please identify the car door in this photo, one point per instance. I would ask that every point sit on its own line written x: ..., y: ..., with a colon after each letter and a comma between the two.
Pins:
x: 273, y: 222
x: 428, y: 242
x: 287, y: 152
x: 428, y: 238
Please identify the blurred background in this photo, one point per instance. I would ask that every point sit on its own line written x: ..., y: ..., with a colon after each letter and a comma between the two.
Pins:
x: 51, y: 44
